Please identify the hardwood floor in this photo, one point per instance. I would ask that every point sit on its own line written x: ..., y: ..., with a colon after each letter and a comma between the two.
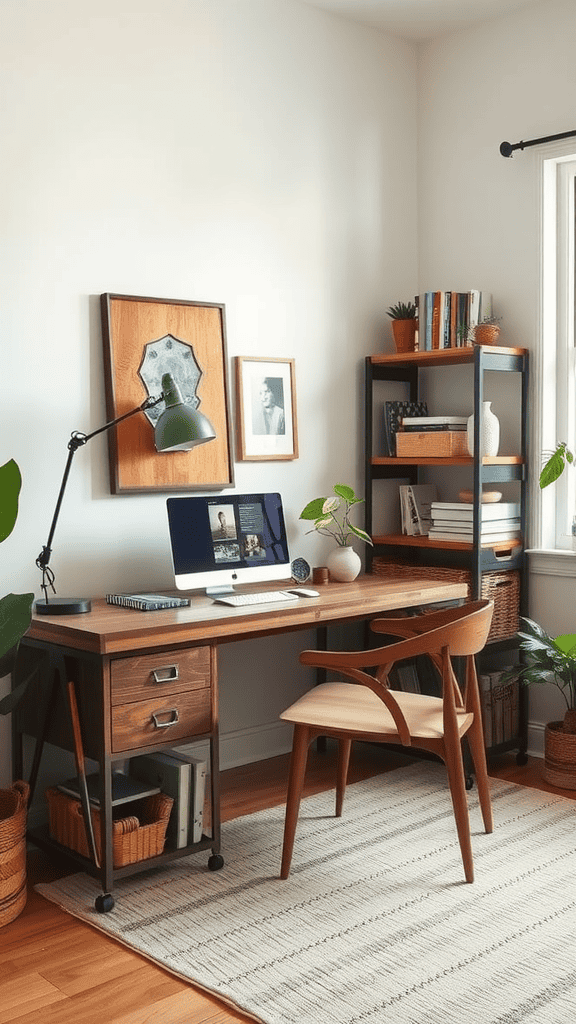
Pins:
x: 57, y: 970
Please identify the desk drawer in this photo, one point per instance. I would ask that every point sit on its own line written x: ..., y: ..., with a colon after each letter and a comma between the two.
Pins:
x: 167, y: 718
x: 139, y: 678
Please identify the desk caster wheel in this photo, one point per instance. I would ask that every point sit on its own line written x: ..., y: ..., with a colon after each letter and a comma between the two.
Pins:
x: 104, y: 903
x: 469, y: 782
x: 215, y: 862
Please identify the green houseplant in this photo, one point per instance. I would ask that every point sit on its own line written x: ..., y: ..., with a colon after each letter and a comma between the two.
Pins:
x: 15, y: 609
x: 404, y: 323
x: 331, y: 518
x: 552, y: 660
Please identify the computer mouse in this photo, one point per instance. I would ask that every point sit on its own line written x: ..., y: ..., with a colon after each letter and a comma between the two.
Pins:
x: 304, y: 592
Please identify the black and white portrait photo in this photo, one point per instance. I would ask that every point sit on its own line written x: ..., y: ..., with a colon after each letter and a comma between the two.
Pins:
x: 266, y: 409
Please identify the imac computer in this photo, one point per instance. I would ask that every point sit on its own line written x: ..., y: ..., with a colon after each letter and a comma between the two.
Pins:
x: 219, y: 541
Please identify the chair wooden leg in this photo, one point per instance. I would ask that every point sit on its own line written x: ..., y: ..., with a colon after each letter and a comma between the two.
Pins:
x: 344, y: 748
x: 298, y: 760
x: 457, y: 782
x: 477, y: 749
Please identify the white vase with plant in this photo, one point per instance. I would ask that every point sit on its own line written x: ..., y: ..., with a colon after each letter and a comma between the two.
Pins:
x: 331, y: 518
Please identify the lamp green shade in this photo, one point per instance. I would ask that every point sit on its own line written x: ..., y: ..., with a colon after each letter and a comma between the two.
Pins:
x: 180, y: 427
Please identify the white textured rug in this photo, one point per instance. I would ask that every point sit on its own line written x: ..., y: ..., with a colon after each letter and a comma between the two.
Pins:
x: 375, y: 923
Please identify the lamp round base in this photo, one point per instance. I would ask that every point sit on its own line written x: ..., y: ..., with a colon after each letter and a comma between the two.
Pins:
x: 63, y: 606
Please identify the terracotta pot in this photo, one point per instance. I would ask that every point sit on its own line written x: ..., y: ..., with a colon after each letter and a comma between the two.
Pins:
x: 486, y: 334
x: 404, y: 332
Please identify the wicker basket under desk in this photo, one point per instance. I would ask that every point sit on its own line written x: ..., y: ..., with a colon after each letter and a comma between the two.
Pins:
x: 133, y: 838
x: 501, y: 587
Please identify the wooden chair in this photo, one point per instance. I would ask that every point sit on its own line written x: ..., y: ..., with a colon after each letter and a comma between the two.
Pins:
x: 374, y: 713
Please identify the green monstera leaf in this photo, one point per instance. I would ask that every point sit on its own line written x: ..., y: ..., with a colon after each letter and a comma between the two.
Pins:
x: 10, y: 484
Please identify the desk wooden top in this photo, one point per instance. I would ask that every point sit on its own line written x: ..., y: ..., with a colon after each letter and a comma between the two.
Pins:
x: 109, y: 630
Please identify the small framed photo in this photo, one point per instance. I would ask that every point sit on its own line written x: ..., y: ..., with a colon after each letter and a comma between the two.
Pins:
x: 266, y: 409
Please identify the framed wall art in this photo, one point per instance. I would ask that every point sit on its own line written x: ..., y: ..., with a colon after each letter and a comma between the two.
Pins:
x: 143, y: 339
x: 266, y: 409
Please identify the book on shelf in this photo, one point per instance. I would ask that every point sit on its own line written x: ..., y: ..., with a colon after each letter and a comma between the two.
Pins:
x: 178, y: 776
x: 146, y: 602
x: 125, y: 788
x: 415, y: 502
x: 500, y: 708
x: 422, y: 423
x: 393, y: 415
x: 466, y: 526
x: 465, y: 510
x: 199, y: 771
x: 485, y: 539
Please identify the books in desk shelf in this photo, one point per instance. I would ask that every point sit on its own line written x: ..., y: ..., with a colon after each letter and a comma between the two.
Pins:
x: 500, y: 707
x: 146, y: 602
x: 182, y: 777
x: 415, y: 503
x: 486, y: 539
x: 446, y: 318
x: 426, y: 423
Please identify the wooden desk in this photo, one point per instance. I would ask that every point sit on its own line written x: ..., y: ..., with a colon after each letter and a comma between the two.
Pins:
x: 149, y: 680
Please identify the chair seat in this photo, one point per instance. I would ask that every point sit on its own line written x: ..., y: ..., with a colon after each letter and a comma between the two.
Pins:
x: 346, y: 707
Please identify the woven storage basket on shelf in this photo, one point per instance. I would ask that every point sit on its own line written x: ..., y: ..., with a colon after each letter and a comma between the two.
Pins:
x: 133, y: 838
x: 559, y: 756
x: 501, y: 587
x: 434, y: 444
x: 13, y: 810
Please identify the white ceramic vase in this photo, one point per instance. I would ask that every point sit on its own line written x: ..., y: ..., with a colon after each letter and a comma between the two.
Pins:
x: 343, y: 564
x: 489, y: 432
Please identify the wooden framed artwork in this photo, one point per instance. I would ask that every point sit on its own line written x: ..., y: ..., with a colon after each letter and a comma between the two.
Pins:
x: 143, y: 339
x: 266, y: 409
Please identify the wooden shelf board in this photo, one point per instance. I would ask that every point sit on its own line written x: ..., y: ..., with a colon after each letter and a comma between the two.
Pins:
x: 403, y: 540
x: 455, y: 460
x: 441, y: 357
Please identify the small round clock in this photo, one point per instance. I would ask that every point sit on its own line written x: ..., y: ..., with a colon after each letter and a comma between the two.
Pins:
x: 300, y: 570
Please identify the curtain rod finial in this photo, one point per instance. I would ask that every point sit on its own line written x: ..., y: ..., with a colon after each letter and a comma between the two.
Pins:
x: 506, y: 149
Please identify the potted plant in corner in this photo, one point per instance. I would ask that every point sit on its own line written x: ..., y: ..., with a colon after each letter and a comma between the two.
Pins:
x: 331, y: 518
x: 549, y: 660
x: 404, y: 324
x: 15, y: 613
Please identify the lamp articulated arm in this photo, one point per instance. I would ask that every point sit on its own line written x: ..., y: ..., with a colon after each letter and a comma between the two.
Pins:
x: 77, y: 440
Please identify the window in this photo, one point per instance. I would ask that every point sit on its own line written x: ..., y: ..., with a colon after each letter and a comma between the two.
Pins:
x: 556, y: 374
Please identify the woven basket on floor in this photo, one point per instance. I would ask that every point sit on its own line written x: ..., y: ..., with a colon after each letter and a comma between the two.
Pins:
x: 501, y: 587
x: 559, y: 756
x: 13, y: 809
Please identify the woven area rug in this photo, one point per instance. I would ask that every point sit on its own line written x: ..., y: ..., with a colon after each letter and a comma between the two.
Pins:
x: 375, y: 923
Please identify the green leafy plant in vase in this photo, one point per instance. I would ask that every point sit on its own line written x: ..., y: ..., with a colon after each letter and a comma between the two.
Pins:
x: 331, y: 518
x: 404, y: 324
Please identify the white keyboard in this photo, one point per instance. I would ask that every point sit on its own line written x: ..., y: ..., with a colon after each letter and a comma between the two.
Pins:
x: 261, y: 597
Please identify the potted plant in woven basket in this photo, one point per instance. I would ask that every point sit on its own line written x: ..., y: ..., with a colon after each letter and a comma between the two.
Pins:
x: 549, y: 660
x: 15, y: 611
x: 487, y: 332
x: 404, y: 324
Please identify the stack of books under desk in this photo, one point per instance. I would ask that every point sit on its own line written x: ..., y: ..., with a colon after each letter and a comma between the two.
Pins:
x: 453, y: 521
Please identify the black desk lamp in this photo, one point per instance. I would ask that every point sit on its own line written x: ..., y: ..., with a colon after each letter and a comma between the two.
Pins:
x: 179, y: 428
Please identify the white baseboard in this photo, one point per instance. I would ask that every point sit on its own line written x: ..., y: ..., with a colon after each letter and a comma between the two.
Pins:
x: 244, y: 746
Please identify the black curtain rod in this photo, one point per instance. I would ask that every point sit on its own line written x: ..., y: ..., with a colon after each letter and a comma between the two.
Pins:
x: 507, y: 149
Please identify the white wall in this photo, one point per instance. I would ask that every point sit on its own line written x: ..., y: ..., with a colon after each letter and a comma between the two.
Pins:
x: 252, y: 152
x: 510, y: 80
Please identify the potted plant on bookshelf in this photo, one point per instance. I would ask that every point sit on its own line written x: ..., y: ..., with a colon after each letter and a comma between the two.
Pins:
x: 487, y: 332
x: 331, y: 518
x: 404, y: 323
x: 15, y: 612
x: 552, y: 660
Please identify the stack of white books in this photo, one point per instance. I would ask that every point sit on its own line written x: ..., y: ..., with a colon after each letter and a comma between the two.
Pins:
x: 453, y: 520
x: 430, y: 423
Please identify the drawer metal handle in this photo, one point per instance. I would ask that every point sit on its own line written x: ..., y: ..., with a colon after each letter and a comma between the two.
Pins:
x: 166, y: 674
x: 165, y: 725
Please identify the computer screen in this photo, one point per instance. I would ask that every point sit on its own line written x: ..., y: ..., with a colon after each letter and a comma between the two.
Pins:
x: 218, y: 541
